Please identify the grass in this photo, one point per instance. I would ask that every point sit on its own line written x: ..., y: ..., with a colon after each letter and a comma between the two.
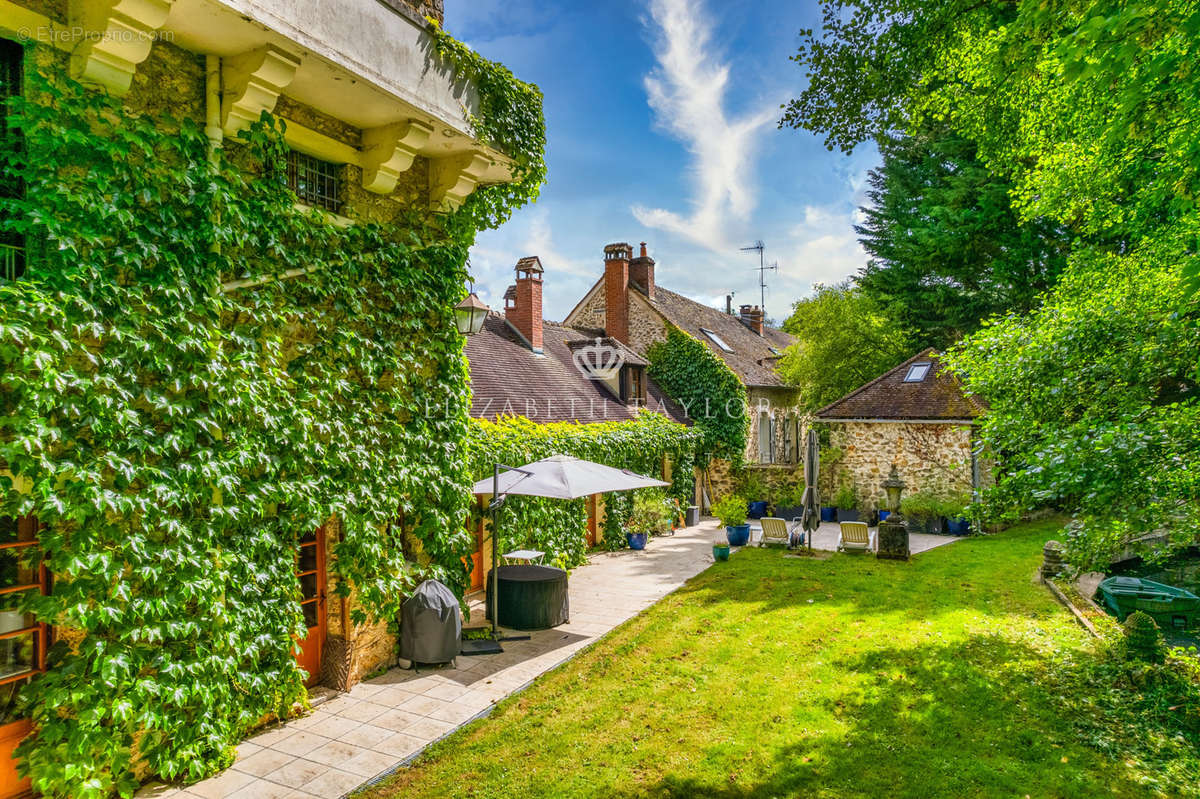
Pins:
x: 954, y: 675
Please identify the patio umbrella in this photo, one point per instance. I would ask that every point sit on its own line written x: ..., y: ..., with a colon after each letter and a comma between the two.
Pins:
x: 563, y: 477
x: 556, y: 477
x: 810, y: 517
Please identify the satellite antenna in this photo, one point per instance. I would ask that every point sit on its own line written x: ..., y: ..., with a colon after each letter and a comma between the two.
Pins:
x: 762, y: 272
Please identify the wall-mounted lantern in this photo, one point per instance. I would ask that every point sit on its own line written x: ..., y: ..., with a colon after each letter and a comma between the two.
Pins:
x: 469, y: 315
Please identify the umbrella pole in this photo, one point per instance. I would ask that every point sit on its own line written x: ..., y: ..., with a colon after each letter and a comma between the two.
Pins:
x: 495, y: 543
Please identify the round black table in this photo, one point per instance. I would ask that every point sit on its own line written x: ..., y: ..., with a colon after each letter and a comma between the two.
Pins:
x: 531, y: 597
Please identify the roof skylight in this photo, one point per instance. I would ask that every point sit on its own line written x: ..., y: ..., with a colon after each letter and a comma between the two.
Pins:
x: 720, y: 342
x: 917, y: 372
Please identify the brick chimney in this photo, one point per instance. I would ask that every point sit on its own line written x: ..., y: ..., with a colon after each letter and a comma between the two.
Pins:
x: 641, y: 272
x: 752, y: 317
x: 616, y: 291
x: 523, y: 301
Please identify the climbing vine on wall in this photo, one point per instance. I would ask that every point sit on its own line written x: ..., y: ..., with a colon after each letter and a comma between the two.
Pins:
x: 557, y: 527
x: 509, y: 118
x: 712, y: 394
x: 176, y: 439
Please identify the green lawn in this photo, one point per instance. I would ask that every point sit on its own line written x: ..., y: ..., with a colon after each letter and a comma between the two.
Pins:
x: 954, y: 675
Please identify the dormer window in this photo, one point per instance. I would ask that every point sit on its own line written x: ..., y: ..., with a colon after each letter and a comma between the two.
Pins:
x: 715, y: 339
x: 315, y: 182
x: 917, y: 372
x: 633, y: 384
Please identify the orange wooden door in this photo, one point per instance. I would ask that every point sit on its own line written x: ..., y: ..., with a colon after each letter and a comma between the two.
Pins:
x: 22, y: 639
x: 477, y: 556
x: 593, y: 511
x: 310, y: 569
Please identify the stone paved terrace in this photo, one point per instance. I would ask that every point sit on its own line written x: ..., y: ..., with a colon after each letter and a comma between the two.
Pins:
x: 383, y: 722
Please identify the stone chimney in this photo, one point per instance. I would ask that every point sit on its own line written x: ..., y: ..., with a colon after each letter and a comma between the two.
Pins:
x: 616, y: 290
x: 523, y: 301
x: 641, y: 272
x: 752, y: 317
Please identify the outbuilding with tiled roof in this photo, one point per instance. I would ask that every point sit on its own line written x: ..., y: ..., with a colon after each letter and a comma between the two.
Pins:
x: 918, y: 417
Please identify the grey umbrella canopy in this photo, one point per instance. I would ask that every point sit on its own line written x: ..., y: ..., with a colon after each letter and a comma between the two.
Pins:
x: 565, y: 477
x: 810, y: 517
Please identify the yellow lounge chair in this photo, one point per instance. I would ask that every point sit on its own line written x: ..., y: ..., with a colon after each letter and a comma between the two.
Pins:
x: 855, y: 537
x: 776, y: 531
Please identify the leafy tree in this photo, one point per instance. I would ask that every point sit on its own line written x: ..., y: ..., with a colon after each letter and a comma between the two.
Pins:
x: 1092, y: 110
x: 843, y: 339
x: 947, y: 249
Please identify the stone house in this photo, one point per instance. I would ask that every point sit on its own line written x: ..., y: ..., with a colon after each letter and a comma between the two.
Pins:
x: 377, y: 129
x: 522, y: 365
x: 916, y: 417
x: 628, y: 304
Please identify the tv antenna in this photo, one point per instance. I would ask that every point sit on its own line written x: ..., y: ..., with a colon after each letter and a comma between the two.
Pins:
x: 762, y: 272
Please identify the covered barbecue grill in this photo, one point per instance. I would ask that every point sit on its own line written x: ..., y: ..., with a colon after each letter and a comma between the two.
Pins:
x: 430, y: 624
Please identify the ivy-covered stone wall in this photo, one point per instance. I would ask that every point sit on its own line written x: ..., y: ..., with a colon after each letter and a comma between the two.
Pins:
x: 175, y: 440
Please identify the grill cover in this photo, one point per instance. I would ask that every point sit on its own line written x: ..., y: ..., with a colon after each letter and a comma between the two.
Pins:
x: 430, y: 624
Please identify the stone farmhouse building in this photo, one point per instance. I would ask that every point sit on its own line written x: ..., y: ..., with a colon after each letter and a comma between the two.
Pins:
x: 523, y: 365
x: 917, y: 417
x: 377, y: 127
x: 628, y: 304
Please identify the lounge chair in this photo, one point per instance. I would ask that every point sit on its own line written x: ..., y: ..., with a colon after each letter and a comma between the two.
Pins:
x: 855, y: 537
x: 776, y: 531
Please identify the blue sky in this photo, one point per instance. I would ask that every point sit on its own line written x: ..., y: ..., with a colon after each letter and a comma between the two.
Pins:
x: 661, y: 127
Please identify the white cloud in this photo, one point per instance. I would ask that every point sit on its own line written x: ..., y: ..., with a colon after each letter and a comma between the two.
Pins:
x: 687, y: 92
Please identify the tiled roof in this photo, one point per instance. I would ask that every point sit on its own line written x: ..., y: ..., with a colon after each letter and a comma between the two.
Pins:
x: 507, y: 378
x: 752, y: 358
x: 938, y: 396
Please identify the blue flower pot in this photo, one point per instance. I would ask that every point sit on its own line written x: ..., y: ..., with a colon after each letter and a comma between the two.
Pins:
x: 738, y: 535
x: 958, y: 526
x: 757, y: 510
x: 883, y: 514
x: 828, y: 514
x: 636, y: 540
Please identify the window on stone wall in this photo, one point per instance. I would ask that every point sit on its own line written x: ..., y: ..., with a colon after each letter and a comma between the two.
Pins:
x: 314, y: 181
x: 766, y: 438
x: 12, y: 245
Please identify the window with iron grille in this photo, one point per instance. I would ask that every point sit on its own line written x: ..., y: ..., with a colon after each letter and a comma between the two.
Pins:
x: 314, y: 181
x: 12, y: 245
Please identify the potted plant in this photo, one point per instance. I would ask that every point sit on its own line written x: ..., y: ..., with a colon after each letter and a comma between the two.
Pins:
x: 955, y: 510
x: 846, y: 503
x: 923, y: 511
x: 791, y: 502
x: 754, y: 488
x: 720, y: 549
x: 731, y: 510
x: 648, y: 517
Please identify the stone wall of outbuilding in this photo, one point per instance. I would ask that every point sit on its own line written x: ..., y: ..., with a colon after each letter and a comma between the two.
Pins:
x: 935, y: 458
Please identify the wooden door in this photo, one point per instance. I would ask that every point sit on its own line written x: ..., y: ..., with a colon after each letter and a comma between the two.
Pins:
x: 310, y: 569
x: 476, y: 563
x: 22, y: 639
x: 593, y: 512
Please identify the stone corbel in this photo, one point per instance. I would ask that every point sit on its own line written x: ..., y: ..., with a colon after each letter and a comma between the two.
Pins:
x: 252, y: 83
x: 389, y: 150
x: 453, y: 178
x: 116, y: 36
